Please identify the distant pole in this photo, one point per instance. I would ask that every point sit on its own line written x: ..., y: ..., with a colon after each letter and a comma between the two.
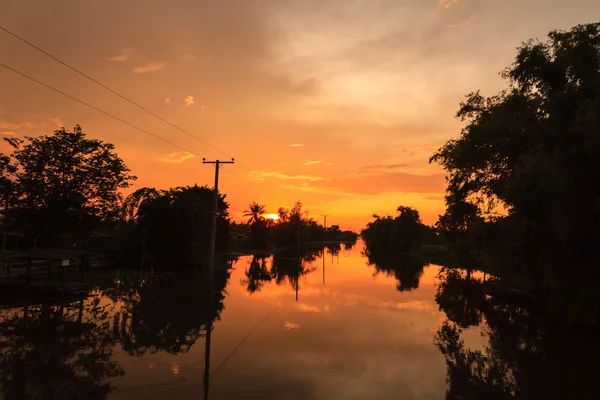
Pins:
x: 213, y: 232
x: 325, y: 225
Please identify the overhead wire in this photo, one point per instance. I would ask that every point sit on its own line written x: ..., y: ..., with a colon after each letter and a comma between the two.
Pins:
x: 117, y: 94
x: 97, y: 109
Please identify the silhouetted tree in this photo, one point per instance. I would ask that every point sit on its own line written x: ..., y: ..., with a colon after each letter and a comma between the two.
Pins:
x: 255, y: 213
x: 176, y: 223
x: 66, y: 184
x: 530, y: 153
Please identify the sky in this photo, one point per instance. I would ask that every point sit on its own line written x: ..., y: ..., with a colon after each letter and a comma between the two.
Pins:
x: 335, y: 103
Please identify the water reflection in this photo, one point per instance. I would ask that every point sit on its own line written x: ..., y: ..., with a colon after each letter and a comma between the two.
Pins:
x: 445, y: 332
x: 165, y: 314
x: 404, y: 266
x: 527, y: 356
x: 57, y: 351
x: 285, y: 266
x: 66, y: 350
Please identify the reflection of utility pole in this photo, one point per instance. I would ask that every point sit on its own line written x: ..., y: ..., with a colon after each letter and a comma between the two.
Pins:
x: 323, y: 257
x: 213, y: 232
x: 207, y: 358
x: 298, y: 276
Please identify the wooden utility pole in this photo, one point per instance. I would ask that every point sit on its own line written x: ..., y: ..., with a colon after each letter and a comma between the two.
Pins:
x: 325, y: 222
x: 213, y: 231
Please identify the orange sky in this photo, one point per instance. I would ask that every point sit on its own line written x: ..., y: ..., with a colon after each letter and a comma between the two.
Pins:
x: 337, y: 103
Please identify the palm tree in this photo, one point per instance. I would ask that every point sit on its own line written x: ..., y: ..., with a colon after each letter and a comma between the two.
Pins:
x: 255, y: 213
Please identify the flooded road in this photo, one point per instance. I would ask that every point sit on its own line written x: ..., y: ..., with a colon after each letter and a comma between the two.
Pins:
x: 342, y: 332
x: 331, y: 327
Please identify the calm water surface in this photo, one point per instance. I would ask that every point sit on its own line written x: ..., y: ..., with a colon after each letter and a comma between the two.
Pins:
x: 341, y: 330
x: 345, y: 333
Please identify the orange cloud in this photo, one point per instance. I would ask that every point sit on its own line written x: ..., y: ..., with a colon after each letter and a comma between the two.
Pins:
x: 8, y: 133
x: 297, y: 145
x: 189, y: 101
x: 311, y: 162
x: 150, y: 67
x: 262, y: 175
x: 15, y: 126
x: 177, y: 157
x: 447, y: 3
x: 124, y: 55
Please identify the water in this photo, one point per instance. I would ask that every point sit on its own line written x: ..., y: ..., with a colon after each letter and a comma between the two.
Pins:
x: 334, y: 328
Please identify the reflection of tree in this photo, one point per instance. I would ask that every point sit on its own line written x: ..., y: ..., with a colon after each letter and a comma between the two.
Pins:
x: 168, y: 313
x: 404, y: 266
x: 334, y: 248
x: 459, y: 297
x: 289, y: 266
x: 473, y: 374
x: 527, y: 356
x: 257, y: 274
x: 57, y: 352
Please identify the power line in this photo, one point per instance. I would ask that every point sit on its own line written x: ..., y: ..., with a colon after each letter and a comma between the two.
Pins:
x: 114, y: 92
x: 97, y: 109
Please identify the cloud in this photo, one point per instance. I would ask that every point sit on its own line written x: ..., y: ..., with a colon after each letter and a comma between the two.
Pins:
x: 57, y: 121
x: 177, y: 157
x: 297, y: 145
x: 8, y: 133
x: 382, y: 167
x: 262, y: 175
x: 447, y: 3
x: 311, y: 162
x: 15, y: 126
x: 188, y: 57
x: 462, y: 23
x: 315, y: 189
x: 150, y: 67
x: 167, y: 100
x: 189, y: 101
x: 124, y: 55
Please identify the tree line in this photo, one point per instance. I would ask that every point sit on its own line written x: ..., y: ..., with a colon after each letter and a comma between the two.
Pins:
x: 65, y: 191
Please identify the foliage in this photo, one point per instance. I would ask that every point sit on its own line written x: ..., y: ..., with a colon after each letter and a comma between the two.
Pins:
x: 63, y: 184
x: 292, y: 228
x: 527, y: 160
x: 175, y: 224
x: 404, y: 232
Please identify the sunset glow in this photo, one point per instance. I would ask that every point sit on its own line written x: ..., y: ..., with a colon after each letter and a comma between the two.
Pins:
x: 274, y: 217
x: 351, y: 97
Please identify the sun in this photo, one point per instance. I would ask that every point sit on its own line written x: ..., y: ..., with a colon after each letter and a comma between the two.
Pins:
x: 273, y: 217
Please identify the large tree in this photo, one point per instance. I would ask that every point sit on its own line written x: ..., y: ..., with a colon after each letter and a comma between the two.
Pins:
x: 531, y: 152
x: 65, y: 183
x: 176, y: 223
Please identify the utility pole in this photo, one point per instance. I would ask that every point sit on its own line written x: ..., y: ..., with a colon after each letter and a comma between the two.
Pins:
x: 213, y: 232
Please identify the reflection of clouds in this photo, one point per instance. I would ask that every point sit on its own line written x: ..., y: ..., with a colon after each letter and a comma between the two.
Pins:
x: 404, y: 305
x: 306, y: 308
x: 174, y: 367
x: 290, y: 325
